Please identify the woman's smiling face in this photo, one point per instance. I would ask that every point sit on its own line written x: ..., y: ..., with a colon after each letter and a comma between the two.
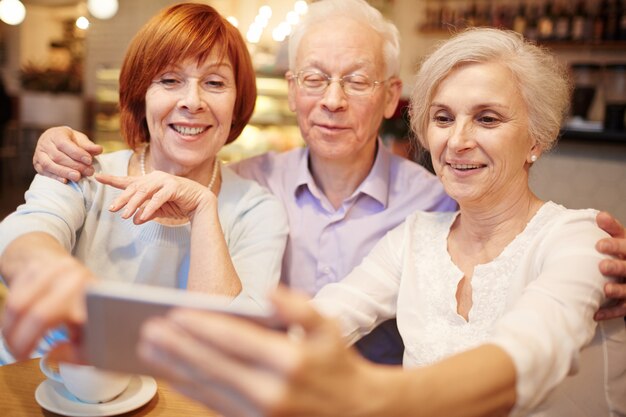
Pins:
x: 189, y: 112
x: 478, y: 133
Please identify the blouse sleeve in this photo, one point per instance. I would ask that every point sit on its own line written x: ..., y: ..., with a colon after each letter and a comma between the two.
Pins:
x: 553, y: 319
x: 367, y: 296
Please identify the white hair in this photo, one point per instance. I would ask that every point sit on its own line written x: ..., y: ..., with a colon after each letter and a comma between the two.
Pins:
x: 543, y: 81
x: 357, y: 10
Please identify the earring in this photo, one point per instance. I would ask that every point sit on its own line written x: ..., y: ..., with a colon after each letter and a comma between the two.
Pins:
x: 533, y: 158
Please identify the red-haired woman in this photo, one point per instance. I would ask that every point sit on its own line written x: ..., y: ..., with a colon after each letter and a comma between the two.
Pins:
x: 187, y: 87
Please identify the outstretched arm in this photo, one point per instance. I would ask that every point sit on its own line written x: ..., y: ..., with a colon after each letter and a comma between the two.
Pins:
x: 64, y: 154
x: 616, y: 267
x: 242, y: 369
x: 47, y: 286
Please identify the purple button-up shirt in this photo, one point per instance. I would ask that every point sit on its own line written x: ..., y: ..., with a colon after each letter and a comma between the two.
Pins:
x: 325, y: 243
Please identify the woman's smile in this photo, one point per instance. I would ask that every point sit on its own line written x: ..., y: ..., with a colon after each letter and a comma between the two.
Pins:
x: 189, y: 130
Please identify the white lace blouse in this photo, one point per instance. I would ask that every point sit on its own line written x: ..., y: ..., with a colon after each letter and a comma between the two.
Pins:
x: 536, y: 301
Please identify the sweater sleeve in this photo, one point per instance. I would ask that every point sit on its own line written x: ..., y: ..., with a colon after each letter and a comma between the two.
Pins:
x: 553, y: 319
x: 256, y: 242
x: 51, y: 207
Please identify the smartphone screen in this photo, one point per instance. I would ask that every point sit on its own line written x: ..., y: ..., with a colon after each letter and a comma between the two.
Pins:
x: 117, y: 311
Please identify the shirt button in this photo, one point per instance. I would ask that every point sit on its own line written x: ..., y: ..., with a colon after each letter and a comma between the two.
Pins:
x: 326, y: 270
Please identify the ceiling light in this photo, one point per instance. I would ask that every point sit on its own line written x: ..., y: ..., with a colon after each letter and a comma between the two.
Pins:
x: 265, y: 11
x: 12, y: 12
x: 102, y: 9
x: 82, y: 23
x: 233, y: 21
x: 301, y: 7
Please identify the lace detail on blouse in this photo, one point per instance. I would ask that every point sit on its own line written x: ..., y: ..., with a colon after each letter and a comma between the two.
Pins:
x: 442, y: 331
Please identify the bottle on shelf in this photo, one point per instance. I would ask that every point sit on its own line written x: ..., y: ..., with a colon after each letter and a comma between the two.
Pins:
x: 442, y: 16
x: 471, y: 15
x: 598, y: 21
x: 520, y: 21
x: 582, y: 23
x: 531, y: 31
x: 563, y: 22
x: 483, y: 15
x: 611, y: 21
x: 545, y: 25
x: 622, y: 21
x: 501, y: 17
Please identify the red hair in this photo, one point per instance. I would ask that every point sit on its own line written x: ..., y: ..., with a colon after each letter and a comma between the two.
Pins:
x: 178, y: 33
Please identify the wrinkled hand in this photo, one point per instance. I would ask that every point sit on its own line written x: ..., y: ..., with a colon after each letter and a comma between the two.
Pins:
x: 64, y: 154
x: 239, y: 368
x: 43, y: 296
x: 615, y: 246
x: 157, y: 194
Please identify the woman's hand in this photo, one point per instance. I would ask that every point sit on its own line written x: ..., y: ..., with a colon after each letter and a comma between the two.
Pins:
x: 158, y: 194
x: 616, y: 267
x: 64, y: 154
x: 46, y: 290
x: 240, y: 368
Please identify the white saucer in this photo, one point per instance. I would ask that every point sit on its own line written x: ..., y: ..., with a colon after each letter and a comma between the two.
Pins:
x: 53, y: 396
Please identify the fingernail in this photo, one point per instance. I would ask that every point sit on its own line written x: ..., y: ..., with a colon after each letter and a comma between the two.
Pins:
x: 608, y: 290
x: 126, y: 213
x: 86, y: 160
x: 603, y: 246
x: 74, y: 176
x: 89, y: 172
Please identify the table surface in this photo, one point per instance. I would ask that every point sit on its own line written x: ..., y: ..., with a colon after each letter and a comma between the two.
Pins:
x: 18, y: 382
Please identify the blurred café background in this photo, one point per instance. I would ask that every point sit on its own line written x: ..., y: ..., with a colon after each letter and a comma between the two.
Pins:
x: 60, y: 59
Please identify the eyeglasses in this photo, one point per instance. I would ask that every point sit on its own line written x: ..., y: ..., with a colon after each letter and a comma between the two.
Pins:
x: 315, y: 83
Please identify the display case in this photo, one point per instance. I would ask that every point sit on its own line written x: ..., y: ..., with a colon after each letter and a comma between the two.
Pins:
x: 272, y: 127
x: 106, y: 123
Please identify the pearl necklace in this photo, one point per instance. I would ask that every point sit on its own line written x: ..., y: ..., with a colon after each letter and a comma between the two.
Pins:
x: 142, y: 166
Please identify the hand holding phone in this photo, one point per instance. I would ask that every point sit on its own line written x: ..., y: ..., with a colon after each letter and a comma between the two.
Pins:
x: 117, y: 311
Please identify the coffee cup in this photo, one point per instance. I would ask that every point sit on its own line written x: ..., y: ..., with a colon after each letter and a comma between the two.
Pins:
x: 87, y: 383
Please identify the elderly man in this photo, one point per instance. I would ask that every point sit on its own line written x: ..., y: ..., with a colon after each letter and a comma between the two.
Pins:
x: 343, y: 191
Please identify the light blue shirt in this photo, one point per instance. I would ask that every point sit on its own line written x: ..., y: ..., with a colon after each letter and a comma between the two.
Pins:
x: 325, y: 243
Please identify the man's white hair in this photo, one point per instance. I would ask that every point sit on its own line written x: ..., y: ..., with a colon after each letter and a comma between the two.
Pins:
x: 357, y: 10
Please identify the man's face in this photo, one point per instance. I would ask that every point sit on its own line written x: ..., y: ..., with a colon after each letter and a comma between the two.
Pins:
x: 334, y: 125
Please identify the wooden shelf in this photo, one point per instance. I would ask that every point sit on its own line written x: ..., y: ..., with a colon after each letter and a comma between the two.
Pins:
x: 619, y: 45
x: 592, y: 136
x: 604, y: 45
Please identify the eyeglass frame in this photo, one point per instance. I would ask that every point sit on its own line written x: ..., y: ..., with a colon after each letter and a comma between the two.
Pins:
x: 330, y: 80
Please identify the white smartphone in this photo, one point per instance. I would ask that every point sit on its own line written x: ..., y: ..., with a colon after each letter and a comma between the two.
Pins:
x: 116, y: 312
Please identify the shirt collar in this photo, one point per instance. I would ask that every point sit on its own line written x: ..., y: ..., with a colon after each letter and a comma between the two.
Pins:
x: 375, y: 185
x: 303, y: 174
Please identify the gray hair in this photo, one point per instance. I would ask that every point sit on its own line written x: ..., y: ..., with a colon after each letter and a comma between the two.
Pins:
x: 543, y: 82
x: 357, y: 10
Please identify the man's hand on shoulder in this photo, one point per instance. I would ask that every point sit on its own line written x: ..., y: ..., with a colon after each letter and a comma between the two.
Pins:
x: 65, y: 154
x: 616, y: 267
